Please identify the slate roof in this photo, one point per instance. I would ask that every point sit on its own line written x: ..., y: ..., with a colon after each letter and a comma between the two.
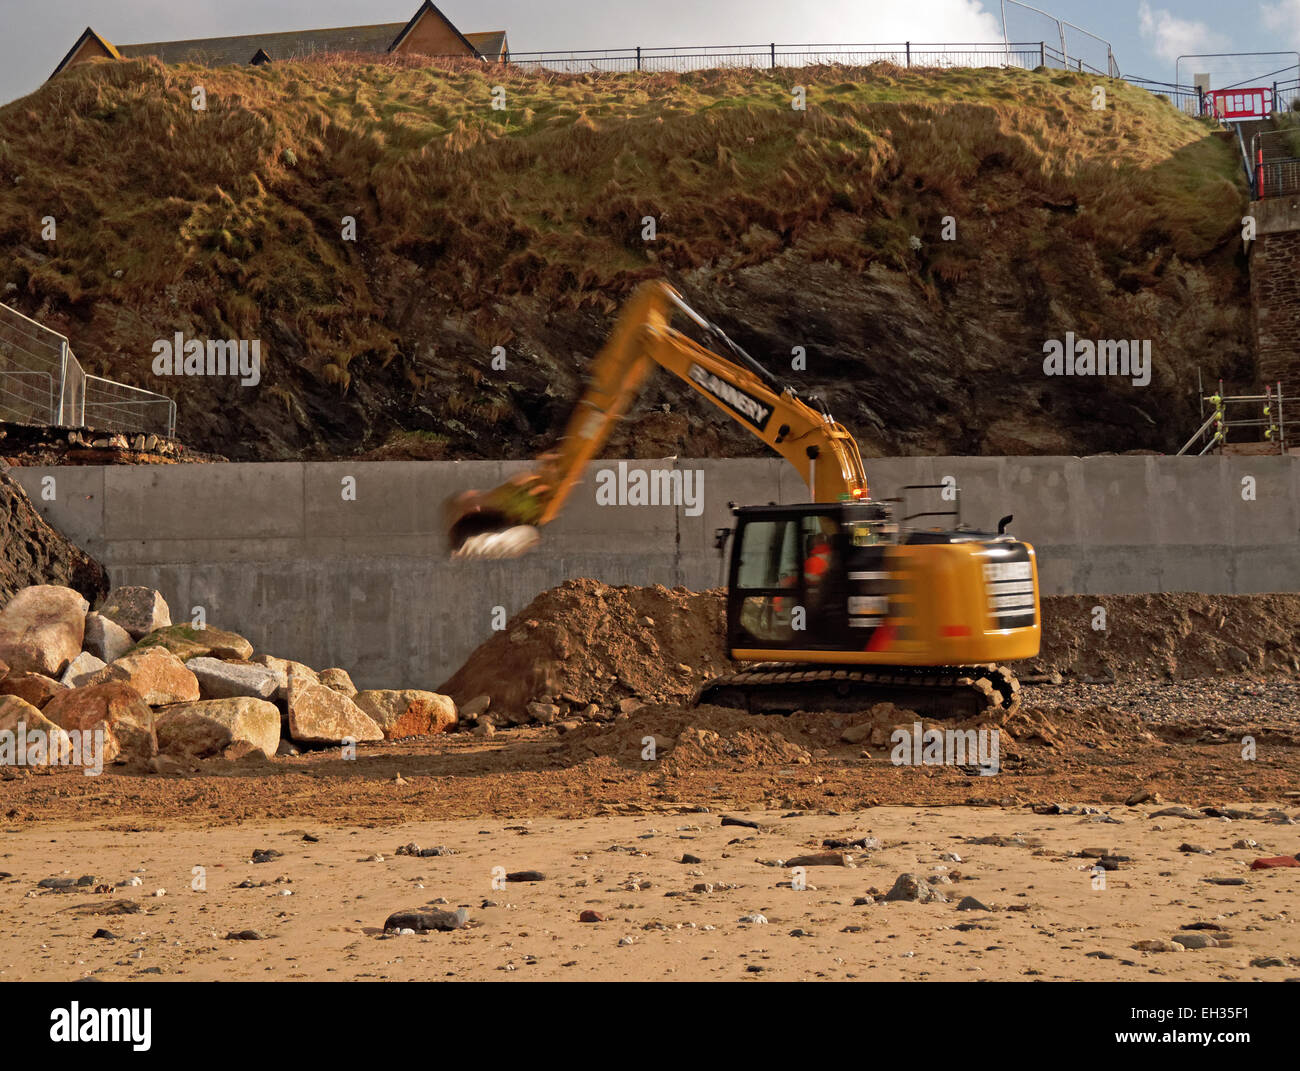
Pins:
x: 295, y: 44
x: 489, y: 44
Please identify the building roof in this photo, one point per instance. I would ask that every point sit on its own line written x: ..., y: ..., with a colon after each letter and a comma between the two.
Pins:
x: 294, y: 44
x: 489, y: 44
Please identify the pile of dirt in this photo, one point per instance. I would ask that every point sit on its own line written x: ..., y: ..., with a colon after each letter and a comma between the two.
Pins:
x: 585, y: 643
x: 1174, y: 635
x: 705, y: 737
x: 1060, y: 727
x: 686, y: 740
x: 586, y: 647
x: 31, y: 552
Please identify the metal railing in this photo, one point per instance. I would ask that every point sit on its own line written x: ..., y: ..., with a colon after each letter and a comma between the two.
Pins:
x: 113, y: 406
x: 904, y: 54
x: 1275, y: 164
x: 1187, y: 99
x: 1286, y: 95
x: 1280, y: 178
x: 42, y: 382
x: 1026, y: 55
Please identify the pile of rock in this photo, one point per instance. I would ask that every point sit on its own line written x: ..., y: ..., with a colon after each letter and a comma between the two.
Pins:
x: 564, y: 712
x: 154, y: 687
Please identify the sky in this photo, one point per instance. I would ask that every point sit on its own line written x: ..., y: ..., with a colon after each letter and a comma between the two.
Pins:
x: 1147, y: 35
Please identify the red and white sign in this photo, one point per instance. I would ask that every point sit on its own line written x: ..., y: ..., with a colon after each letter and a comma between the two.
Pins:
x: 1256, y: 103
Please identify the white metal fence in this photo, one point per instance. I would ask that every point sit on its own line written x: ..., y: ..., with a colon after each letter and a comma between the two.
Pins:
x: 32, y: 360
x: 113, y: 406
x: 42, y: 382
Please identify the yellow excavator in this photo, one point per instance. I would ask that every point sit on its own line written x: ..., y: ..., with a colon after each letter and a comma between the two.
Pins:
x: 836, y: 604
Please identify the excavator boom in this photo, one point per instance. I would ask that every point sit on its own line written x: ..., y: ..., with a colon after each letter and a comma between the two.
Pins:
x: 504, y: 522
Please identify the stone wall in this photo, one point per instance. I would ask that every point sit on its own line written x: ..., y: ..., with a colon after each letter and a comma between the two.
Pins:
x: 1275, y: 291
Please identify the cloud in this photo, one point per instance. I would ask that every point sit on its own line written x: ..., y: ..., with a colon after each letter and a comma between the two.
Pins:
x: 566, y: 24
x: 958, y: 20
x: 1282, y: 17
x: 1169, y: 37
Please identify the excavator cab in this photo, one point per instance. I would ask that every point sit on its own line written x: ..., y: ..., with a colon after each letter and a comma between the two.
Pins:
x: 831, y: 590
x: 788, y: 570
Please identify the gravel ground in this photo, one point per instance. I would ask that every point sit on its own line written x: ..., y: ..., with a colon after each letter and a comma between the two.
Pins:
x: 1214, y: 708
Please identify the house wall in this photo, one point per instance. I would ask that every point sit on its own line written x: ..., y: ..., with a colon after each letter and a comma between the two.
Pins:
x: 433, y: 37
x: 90, y: 49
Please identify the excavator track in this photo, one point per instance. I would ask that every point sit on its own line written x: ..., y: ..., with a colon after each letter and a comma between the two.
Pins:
x: 957, y: 692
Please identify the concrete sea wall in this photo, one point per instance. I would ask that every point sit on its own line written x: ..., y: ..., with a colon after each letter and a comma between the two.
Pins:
x: 345, y: 563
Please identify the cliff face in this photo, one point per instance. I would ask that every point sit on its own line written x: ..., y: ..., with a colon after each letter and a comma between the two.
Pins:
x: 31, y: 552
x: 381, y: 229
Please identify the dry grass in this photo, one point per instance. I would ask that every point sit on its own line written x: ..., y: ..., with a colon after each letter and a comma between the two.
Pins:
x: 230, y: 219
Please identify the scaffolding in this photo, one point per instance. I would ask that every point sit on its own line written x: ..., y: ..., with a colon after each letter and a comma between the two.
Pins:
x: 1225, y: 412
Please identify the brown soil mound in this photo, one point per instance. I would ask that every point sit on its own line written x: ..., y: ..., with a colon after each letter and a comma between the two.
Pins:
x: 1096, y: 727
x: 704, y: 737
x: 586, y: 642
x: 719, y: 738
x: 1171, y: 635
x: 589, y: 643
x: 31, y: 552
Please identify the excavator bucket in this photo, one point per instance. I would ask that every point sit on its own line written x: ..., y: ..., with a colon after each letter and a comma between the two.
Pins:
x: 493, y: 524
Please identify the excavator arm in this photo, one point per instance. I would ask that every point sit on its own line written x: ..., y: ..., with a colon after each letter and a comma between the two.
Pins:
x: 504, y: 522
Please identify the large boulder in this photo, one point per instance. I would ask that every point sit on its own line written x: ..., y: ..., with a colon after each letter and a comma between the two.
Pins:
x: 41, y: 629
x: 226, y: 680
x: 283, y: 668
x: 34, y: 688
x: 155, y: 673
x: 115, y: 708
x: 339, y: 680
x: 403, y: 713
x: 106, y: 639
x: 186, y: 642
x: 81, y: 669
x: 35, y: 740
x: 138, y: 610
x: 320, y: 715
x: 201, y: 730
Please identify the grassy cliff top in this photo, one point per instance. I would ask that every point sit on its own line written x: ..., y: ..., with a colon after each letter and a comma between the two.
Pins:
x: 227, y: 221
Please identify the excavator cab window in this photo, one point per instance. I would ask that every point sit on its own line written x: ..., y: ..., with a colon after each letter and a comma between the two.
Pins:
x: 786, y: 571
